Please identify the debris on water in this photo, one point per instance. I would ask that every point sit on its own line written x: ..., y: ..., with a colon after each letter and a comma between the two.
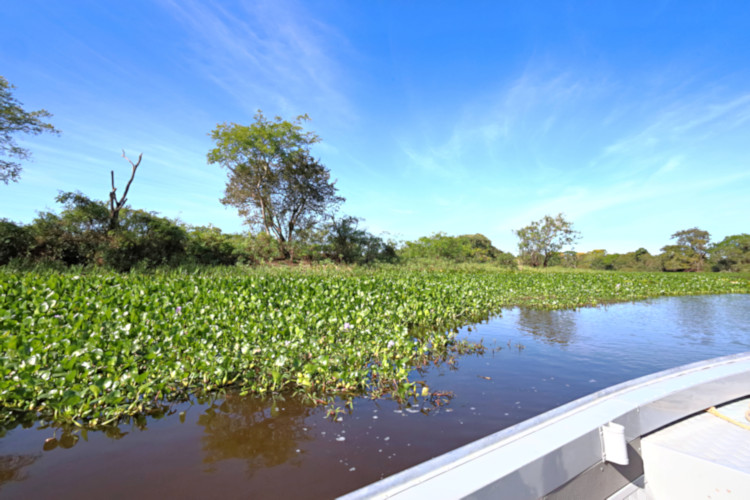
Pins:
x: 592, y: 381
x: 340, y: 438
x: 298, y: 450
x: 387, y: 438
x: 398, y: 411
x: 352, y: 469
x: 375, y: 417
x: 486, y: 378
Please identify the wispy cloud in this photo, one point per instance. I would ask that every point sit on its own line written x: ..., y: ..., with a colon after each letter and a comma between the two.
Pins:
x: 521, y: 118
x: 271, y: 54
x: 679, y: 122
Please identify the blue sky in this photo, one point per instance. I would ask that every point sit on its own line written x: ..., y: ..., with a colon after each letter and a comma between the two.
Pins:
x: 631, y: 118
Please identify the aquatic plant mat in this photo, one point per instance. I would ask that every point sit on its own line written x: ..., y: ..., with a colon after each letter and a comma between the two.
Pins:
x: 91, y: 348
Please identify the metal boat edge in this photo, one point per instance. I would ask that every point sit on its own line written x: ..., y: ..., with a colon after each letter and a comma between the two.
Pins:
x: 570, y: 451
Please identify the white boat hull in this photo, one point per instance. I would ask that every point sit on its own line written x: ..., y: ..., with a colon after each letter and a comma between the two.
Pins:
x: 569, y: 452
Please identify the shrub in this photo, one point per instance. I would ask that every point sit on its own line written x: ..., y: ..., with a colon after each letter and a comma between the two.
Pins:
x: 15, y: 241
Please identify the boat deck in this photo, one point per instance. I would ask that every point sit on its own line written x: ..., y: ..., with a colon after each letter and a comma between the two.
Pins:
x: 703, y: 456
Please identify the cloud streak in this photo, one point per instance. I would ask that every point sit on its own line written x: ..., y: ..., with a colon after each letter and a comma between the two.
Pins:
x: 272, y: 55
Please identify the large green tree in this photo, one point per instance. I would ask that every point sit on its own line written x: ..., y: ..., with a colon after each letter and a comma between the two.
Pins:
x: 542, y: 239
x: 15, y: 120
x: 732, y: 253
x: 689, y: 251
x: 274, y: 181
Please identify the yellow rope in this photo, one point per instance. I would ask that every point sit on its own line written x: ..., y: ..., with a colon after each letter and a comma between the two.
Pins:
x: 715, y: 412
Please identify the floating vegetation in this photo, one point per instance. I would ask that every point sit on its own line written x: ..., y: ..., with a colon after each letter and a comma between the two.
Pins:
x: 92, y: 348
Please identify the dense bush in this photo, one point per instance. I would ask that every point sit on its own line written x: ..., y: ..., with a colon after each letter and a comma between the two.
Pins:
x: 344, y: 241
x: 731, y: 254
x: 208, y: 246
x: 601, y: 260
x: 144, y: 239
x: 464, y: 248
x: 15, y: 241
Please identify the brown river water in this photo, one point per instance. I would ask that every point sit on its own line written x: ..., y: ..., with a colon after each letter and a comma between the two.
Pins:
x: 235, y: 447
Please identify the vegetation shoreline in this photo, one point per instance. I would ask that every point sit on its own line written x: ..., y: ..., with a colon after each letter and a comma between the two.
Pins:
x: 96, y: 346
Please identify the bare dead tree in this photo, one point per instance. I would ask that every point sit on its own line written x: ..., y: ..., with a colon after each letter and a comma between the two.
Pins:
x: 116, y: 205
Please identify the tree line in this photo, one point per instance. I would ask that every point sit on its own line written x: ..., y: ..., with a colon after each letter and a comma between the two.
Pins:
x: 542, y: 243
x: 290, y: 204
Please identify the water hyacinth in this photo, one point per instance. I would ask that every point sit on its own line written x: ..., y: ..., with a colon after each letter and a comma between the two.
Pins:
x: 95, y: 347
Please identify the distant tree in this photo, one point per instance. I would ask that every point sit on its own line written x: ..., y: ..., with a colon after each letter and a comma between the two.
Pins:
x: 542, y: 239
x: 570, y: 258
x: 731, y: 254
x: 274, y: 181
x: 597, y: 259
x: 463, y: 248
x: 346, y: 242
x: 641, y: 254
x: 693, y: 246
x: 678, y: 258
x: 15, y: 120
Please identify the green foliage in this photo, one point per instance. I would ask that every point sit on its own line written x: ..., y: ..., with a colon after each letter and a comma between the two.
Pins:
x: 731, y: 254
x: 263, y: 248
x: 689, y: 253
x: 15, y: 120
x: 274, y: 182
x: 458, y: 249
x: 209, y: 246
x: 95, y: 347
x: 77, y: 236
x: 145, y: 239
x: 15, y: 241
x: 344, y: 241
x: 601, y: 260
x: 677, y: 258
x: 542, y: 240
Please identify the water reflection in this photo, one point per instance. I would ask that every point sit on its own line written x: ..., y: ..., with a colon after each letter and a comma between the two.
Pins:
x: 233, y: 447
x: 11, y: 467
x: 263, y: 433
x: 696, y: 319
x: 553, y: 327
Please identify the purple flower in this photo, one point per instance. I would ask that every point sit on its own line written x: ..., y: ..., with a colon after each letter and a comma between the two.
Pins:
x: 391, y: 343
x: 347, y: 326
x: 178, y: 310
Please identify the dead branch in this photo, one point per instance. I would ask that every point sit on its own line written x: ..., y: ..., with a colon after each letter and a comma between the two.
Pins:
x: 116, y: 205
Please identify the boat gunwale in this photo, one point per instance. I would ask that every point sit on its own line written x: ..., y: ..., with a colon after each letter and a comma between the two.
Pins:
x: 432, y: 468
